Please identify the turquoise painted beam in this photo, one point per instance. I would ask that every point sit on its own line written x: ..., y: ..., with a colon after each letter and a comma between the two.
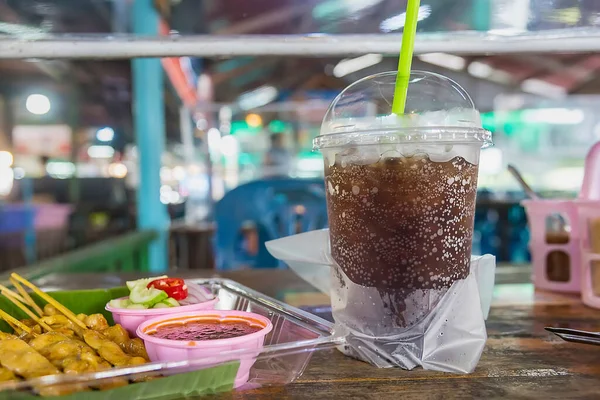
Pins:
x: 149, y: 125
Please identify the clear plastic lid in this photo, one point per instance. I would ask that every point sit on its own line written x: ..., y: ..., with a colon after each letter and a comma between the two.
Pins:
x: 438, y: 110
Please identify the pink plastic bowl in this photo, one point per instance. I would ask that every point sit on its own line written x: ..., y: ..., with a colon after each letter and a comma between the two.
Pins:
x: 131, y: 319
x: 165, y: 350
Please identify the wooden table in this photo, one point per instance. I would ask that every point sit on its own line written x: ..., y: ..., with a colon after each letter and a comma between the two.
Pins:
x: 520, y: 361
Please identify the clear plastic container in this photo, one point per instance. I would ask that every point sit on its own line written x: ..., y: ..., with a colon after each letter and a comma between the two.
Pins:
x: 286, y: 353
x: 401, y: 192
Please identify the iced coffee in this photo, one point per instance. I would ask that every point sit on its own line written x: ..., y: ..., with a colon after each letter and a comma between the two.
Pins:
x: 402, y: 223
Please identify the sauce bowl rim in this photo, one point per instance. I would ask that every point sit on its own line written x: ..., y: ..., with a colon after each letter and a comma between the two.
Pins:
x: 221, y: 314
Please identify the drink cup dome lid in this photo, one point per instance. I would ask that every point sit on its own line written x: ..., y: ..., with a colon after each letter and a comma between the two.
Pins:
x: 438, y: 111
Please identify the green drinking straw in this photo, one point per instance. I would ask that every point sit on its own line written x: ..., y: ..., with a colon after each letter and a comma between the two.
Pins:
x: 406, y: 55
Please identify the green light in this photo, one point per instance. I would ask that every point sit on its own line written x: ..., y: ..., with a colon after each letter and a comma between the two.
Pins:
x: 328, y: 9
x: 277, y: 126
x: 488, y: 121
x: 241, y: 128
x: 309, y: 154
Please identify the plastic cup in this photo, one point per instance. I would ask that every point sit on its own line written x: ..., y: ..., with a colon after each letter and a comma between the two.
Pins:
x: 400, y: 197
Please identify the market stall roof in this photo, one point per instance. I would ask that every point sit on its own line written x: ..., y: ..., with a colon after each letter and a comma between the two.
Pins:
x: 102, y: 89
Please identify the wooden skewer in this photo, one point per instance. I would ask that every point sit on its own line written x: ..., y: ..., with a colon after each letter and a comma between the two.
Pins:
x: 27, y: 297
x: 13, y: 326
x: 67, y: 313
x: 11, y: 320
x: 13, y: 294
x: 27, y: 311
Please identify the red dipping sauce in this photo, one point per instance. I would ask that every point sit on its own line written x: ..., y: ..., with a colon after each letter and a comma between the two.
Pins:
x: 204, y: 330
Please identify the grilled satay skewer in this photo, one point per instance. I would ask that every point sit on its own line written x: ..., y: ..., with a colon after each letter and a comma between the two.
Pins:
x: 107, y: 349
x: 13, y: 321
x: 70, y: 354
x: 116, y: 333
x: 12, y: 293
x: 64, y: 310
x: 26, y: 310
x: 133, y: 346
x: 7, y: 375
x: 22, y: 359
x: 62, y: 351
x: 26, y: 296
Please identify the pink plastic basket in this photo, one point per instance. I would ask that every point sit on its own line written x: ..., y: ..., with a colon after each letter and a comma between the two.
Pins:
x: 538, y: 211
x: 577, y: 249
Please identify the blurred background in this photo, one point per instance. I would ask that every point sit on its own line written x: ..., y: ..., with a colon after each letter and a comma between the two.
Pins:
x: 70, y: 138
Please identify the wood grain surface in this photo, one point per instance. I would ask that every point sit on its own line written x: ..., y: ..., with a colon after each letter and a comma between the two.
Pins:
x: 520, y: 361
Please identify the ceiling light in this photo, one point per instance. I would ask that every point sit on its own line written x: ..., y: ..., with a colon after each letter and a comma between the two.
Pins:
x: 397, y: 22
x: 117, y: 170
x: 6, y: 159
x: 543, y: 88
x: 37, y: 104
x: 258, y: 97
x: 7, y: 177
x: 486, y: 71
x: 479, y: 69
x: 229, y: 146
x: 101, y: 151
x: 213, y: 137
x: 19, y: 173
x: 500, y: 76
x: 254, y: 120
x: 105, y: 134
x: 225, y: 113
x: 60, y: 169
x: 350, y: 65
x: 449, y: 61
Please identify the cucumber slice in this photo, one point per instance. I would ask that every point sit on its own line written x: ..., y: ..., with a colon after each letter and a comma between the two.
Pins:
x: 136, y: 307
x: 171, y: 302
x: 147, y: 297
x: 161, y: 305
x: 144, y: 282
x: 120, y: 303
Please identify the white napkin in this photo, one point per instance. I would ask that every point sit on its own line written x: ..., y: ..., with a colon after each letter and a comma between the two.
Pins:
x: 447, y: 334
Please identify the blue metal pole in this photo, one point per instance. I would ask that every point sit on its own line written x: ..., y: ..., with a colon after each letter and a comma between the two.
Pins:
x: 30, y: 234
x: 149, y: 125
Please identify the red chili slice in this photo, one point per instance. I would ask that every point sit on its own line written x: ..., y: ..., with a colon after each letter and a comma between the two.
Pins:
x: 174, y: 287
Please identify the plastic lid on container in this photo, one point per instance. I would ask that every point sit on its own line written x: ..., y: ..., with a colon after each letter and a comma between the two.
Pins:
x: 438, y: 111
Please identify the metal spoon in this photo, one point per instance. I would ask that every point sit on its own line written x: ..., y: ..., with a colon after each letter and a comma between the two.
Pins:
x: 555, y: 223
x: 526, y: 188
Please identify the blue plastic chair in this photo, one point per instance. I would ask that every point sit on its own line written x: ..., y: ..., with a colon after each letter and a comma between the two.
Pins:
x: 275, y: 208
x: 17, y: 229
x: 16, y: 218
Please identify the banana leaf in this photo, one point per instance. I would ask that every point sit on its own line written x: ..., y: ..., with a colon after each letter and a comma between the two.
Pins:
x: 183, y: 385
x: 79, y: 301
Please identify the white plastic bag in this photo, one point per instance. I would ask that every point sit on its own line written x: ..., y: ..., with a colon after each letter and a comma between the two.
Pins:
x: 445, y: 330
